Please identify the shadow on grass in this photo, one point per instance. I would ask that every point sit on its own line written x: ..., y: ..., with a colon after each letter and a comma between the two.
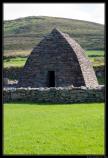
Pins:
x: 49, y: 103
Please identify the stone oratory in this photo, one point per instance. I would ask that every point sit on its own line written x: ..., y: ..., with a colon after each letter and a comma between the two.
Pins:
x: 57, y: 61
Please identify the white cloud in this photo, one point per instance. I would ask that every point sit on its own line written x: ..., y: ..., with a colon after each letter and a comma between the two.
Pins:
x: 89, y: 12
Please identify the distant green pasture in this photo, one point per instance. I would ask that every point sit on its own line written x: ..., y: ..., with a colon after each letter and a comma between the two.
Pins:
x: 95, y: 53
x: 15, y: 62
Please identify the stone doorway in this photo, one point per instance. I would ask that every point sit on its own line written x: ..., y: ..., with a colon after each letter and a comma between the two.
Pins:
x: 51, y: 78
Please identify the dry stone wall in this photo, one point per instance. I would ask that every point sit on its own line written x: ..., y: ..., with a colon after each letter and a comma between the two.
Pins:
x: 12, y: 73
x: 55, y: 95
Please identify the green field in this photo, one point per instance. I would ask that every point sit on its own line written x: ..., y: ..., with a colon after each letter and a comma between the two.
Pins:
x: 96, y: 53
x: 15, y: 62
x: 53, y: 129
x: 96, y: 57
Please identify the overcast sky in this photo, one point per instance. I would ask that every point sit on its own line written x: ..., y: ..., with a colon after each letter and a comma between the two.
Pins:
x: 93, y: 12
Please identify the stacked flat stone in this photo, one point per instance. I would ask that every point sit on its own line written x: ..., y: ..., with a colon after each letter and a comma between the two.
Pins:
x: 55, y: 94
x: 59, y: 53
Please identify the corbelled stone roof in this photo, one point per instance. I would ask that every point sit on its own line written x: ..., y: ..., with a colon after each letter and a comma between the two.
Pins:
x: 62, y: 54
x: 85, y: 64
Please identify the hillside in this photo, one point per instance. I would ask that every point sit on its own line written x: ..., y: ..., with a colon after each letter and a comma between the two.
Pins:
x: 25, y: 33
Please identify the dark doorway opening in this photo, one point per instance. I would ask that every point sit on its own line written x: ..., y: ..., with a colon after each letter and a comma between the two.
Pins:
x: 51, y: 79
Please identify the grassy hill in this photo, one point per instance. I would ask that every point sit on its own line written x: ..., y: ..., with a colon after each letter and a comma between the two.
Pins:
x: 25, y: 33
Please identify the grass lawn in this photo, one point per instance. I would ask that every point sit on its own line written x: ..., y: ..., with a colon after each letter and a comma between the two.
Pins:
x: 31, y: 128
